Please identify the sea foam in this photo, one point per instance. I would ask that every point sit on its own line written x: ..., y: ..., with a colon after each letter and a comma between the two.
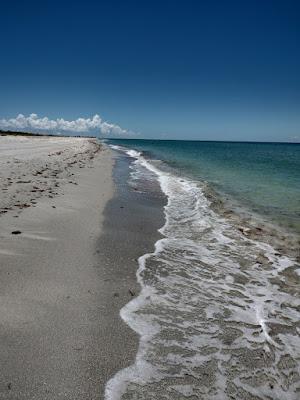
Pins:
x: 217, y: 315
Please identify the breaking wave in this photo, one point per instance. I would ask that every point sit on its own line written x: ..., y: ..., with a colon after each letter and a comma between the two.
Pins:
x: 218, y: 313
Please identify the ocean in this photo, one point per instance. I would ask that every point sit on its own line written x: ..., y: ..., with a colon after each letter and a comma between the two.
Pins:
x: 261, y: 177
x: 218, y: 312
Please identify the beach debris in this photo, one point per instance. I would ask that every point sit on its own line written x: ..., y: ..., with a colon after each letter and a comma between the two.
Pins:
x: 262, y: 259
x: 16, y: 232
x: 131, y: 292
x: 244, y: 231
x: 24, y: 205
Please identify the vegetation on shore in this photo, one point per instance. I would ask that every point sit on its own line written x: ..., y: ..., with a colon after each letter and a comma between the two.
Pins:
x: 19, y: 133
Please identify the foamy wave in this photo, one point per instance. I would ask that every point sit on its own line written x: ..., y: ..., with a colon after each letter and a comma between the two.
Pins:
x: 217, y: 314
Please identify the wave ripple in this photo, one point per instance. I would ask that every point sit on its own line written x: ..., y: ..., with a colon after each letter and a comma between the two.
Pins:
x: 218, y: 313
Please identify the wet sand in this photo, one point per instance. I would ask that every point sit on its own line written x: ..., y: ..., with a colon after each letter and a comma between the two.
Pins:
x: 131, y: 221
x: 71, y: 230
x: 69, y: 267
x: 218, y: 311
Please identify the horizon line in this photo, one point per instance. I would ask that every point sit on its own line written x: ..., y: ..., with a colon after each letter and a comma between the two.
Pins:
x: 204, y: 140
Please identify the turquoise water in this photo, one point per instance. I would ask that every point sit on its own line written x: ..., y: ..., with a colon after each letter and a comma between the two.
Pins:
x: 218, y: 309
x: 263, y: 177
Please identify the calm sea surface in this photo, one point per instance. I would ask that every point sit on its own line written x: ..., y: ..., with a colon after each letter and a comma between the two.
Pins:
x: 263, y: 177
x: 218, y: 312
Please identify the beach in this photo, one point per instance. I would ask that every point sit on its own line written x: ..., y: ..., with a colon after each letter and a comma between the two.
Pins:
x: 150, y: 200
x: 124, y: 278
x: 65, y: 268
x: 218, y: 311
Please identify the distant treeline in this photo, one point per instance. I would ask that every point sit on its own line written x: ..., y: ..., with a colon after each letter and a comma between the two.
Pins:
x: 13, y: 133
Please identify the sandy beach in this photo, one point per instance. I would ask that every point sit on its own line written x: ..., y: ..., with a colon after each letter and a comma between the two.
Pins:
x: 218, y: 312
x: 61, y: 284
x: 98, y: 302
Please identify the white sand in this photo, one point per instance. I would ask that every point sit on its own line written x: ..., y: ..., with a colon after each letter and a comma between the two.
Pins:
x: 52, y: 190
x: 38, y: 167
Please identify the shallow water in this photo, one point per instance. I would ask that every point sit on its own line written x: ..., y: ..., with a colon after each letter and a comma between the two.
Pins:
x: 218, y: 313
x: 263, y: 177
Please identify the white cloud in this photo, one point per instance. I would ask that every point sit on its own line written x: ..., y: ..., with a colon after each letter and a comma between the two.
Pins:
x: 79, y: 125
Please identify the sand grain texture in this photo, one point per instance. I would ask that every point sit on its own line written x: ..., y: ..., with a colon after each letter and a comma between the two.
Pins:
x: 55, y: 324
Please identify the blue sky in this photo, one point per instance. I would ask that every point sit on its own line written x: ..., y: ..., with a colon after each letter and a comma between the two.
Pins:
x: 219, y: 70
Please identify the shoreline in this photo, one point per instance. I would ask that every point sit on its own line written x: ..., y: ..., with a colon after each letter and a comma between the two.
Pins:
x: 252, y: 224
x: 69, y: 327
x: 132, y: 220
x: 209, y: 294
x: 72, y: 267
